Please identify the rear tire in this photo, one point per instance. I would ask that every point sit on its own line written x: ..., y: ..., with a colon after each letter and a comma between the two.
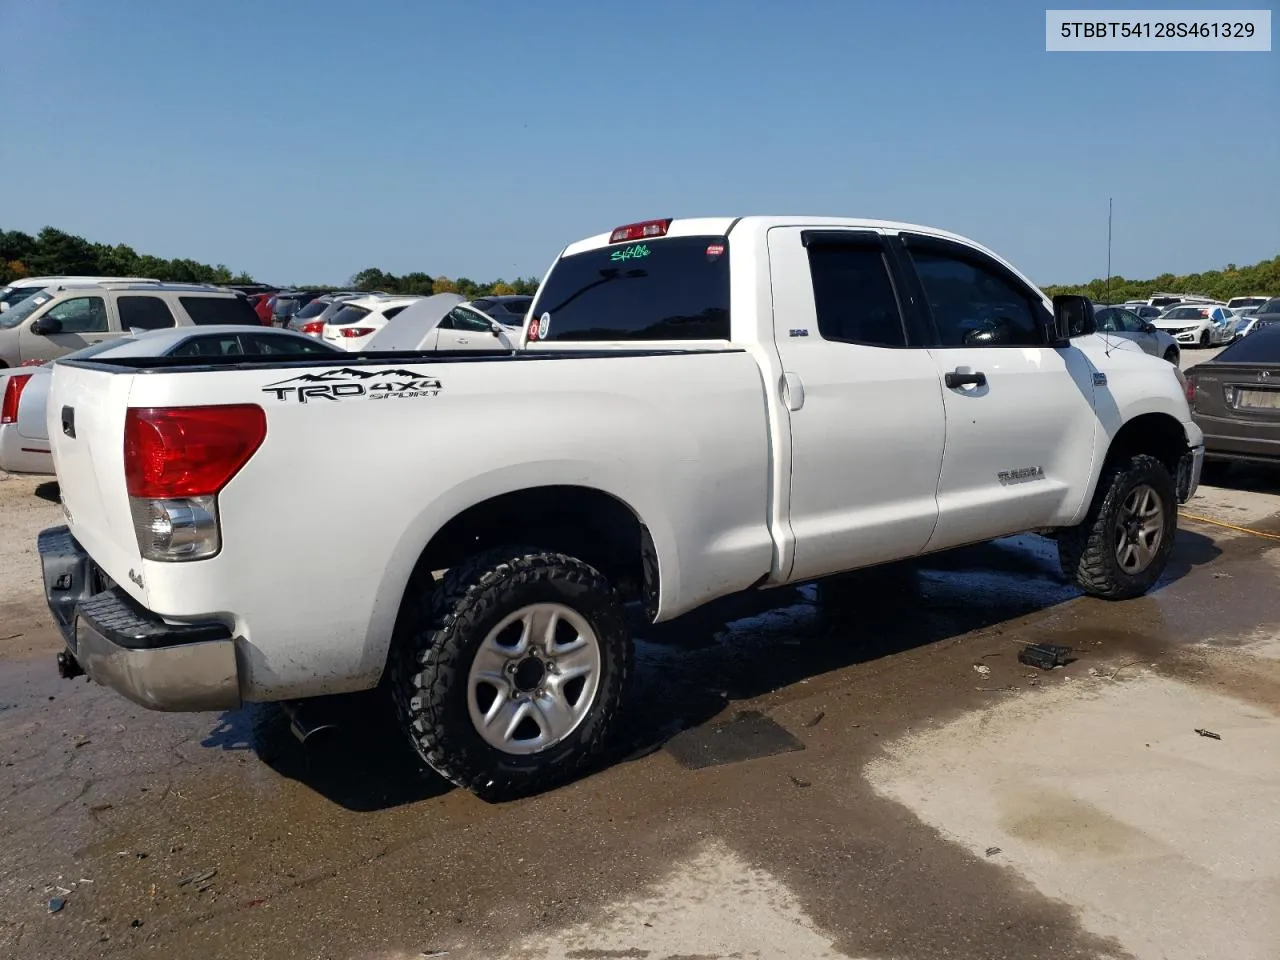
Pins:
x: 1122, y: 546
x: 1172, y: 355
x: 451, y: 639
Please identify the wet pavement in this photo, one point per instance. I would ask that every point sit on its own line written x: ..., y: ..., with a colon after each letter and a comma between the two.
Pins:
x: 737, y: 783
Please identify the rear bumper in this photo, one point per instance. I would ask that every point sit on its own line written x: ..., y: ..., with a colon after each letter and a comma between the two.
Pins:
x: 19, y: 454
x: 160, y: 665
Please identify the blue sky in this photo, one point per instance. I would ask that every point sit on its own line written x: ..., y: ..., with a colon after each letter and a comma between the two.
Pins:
x: 303, y: 141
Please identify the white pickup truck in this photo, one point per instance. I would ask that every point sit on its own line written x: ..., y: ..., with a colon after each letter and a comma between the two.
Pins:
x: 697, y: 407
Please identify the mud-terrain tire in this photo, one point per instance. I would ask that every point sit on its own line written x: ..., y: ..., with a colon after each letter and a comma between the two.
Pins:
x: 440, y: 634
x: 1090, y: 552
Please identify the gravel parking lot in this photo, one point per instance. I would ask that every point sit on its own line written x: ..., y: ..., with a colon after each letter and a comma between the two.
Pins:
x: 795, y: 779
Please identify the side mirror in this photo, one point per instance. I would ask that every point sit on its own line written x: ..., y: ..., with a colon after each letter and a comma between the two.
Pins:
x: 1072, y: 317
x: 46, y: 326
x: 1149, y: 327
x: 4, y: 305
x: 496, y: 328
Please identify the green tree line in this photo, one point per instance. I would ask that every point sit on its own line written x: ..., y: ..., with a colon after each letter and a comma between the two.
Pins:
x: 1261, y: 279
x: 53, y: 252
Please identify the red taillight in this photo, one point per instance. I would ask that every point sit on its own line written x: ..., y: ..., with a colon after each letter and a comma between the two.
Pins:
x: 1191, y: 392
x: 640, y: 231
x: 174, y: 452
x: 13, y: 388
x: 313, y: 329
x: 356, y: 331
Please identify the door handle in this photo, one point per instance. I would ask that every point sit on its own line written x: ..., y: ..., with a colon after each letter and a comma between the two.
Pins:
x: 955, y: 378
x: 69, y: 421
x: 462, y: 340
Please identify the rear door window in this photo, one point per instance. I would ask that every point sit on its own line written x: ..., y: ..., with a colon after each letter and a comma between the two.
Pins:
x: 348, y: 314
x: 206, y: 311
x: 854, y: 295
x: 144, y: 313
x: 672, y: 288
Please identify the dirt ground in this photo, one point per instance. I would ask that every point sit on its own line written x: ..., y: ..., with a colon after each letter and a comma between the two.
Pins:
x: 869, y: 773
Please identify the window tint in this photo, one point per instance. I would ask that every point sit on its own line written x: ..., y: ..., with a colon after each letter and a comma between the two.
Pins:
x: 460, y: 318
x: 1261, y: 346
x: 221, y: 345
x: 144, y: 313
x: 675, y: 288
x: 81, y: 315
x: 1106, y: 320
x: 974, y: 306
x: 348, y: 314
x: 1271, y: 306
x: 312, y: 309
x: 262, y: 343
x: 517, y: 306
x: 854, y: 296
x: 392, y: 311
x: 206, y: 311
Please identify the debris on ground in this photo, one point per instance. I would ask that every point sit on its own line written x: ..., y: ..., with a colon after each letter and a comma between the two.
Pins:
x: 437, y: 953
x: 982, y: 669
x: 56, y: 904
x: 800, y: 781
x: 992, y: 851
x: 135, y: 923
x: 198, y: 878
x: 1208, y: 733
x: 82, y: 743
x: 817, y: 719
x: 1046, y: 656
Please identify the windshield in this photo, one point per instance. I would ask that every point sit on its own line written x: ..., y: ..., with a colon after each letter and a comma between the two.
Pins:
x: 12, y: 295
x: 348, y: 314
x: 21, y: 310
x: 312, y: 309
x: 1263, y: 346
x: 664, y: 289
x: 1239, y: 302
x: 1271, y: 306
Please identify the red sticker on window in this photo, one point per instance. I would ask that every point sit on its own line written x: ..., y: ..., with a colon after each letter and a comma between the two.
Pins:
x: 533, y: 329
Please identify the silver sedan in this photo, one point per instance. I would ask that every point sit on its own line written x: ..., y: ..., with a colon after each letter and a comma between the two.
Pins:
x: 1124, y: 323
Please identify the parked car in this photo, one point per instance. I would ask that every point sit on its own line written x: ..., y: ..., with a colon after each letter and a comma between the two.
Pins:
x: 1235, y: 400
x: 1119, y: 322
x: 312, y: 318
x: 445, y: 322
x: 357, y: 320
x: 1195, y: 325
x: 1239, y: 303
x: 287, y: 303
x: 262, y: 304
x: 704, y: 409
x: 19, y: 290
x: 59, y: 321
x: 24, y: 437
x: 1266, y: 315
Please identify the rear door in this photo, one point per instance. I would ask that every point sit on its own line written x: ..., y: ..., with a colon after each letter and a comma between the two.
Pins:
x: 1019, y: 413
x: 864, y: 402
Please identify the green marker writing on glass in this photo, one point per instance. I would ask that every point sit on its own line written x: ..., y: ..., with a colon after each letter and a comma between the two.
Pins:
x: 630, y: 253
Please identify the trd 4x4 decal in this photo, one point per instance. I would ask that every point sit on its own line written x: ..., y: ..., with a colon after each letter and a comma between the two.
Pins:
x: 348, y: 382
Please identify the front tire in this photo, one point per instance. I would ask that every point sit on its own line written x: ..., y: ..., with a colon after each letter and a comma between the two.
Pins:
x: 1172, y: 355
x: 509, y: 672
x: 1204, y: 340
x: 1122, y: 546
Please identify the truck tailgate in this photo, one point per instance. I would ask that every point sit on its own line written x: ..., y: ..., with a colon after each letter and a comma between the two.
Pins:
x: 85, y: 420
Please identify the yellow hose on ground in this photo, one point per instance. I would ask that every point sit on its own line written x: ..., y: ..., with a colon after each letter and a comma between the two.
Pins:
x: 1229, y: 526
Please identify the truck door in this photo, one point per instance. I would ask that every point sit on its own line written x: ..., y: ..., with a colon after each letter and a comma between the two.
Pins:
x: 1019, y: 413
x: 864, y: 402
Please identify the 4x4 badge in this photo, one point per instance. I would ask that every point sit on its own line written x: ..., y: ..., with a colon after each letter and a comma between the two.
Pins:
x: 347, y: 383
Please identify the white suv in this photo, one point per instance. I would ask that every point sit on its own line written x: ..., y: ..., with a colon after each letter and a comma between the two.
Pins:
x: 68, y: 317
x: 353, y: 326
x: 19, y: 290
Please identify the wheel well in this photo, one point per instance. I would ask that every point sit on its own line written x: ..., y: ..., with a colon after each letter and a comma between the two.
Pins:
x: 1156, y: 434
x: 582, y: 522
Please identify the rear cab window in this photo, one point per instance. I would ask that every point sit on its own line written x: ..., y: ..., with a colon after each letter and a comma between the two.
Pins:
x: 207, y: 311
x: 667, y: 288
